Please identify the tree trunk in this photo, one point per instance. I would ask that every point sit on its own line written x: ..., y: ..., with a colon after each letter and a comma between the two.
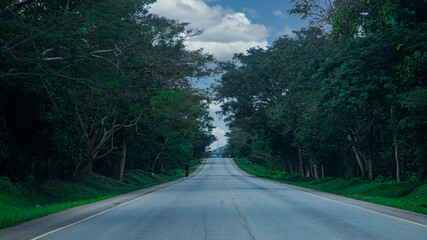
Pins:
x: 323, y: 171
x: 158, y: 155
x: 122, y: 162
x: 396, y: 157
x: 342, y: 175
x: 86, y: 166
x: 76, y: 173
x: 301, y: 165
x: 89, y: 168
x: 396, y: 150
x: 33, y: 167
x: 371, y: 168
x: 312, y: 169
x: 307, y: 174
x: 316, y: 171
x: 358, y: 156
x: 359, y: 159
x: 49, y: 170
x: 356, y: 170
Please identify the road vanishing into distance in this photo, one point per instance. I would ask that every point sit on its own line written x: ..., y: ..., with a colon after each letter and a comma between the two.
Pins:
x: 222, y: 203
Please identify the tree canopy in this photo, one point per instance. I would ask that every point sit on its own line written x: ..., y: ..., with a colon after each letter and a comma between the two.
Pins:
x: 84, y: 83
x: 345, y: 97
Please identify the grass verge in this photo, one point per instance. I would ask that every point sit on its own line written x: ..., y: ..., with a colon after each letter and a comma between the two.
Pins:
x: 20, y: 202
x: 411, y: 196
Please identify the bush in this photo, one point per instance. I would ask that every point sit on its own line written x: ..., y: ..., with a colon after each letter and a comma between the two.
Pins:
x: 380, y: 179
x: 5, y: 184
x: 322, y: 180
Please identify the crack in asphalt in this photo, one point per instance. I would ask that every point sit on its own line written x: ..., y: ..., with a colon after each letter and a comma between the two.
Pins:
x: 244, y: 221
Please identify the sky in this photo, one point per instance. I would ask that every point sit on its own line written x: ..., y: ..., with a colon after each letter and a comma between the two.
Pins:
x: 229, y: 27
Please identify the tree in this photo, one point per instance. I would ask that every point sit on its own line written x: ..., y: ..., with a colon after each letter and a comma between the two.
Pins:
x: 344, y: 103
x: 91, y: 70
x: 319, y: 12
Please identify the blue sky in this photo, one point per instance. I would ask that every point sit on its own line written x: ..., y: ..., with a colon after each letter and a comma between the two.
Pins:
x: 230, y: 26
x: 271, y: 13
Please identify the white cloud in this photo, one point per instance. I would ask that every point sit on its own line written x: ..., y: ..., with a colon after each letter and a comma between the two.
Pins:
x: 220, y: 130
x: 279, y: 13
x: 214, y: 107
x: 226, y: 50
x: 252, y: 12
x: 287, y: 30
x: 225, y: 32
x: 221, y: 139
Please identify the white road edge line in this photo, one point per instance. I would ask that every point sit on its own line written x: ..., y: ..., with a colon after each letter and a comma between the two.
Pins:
x: 85, y: 219
x: 92, y: 216
x: 366, y: 209
x: 330, y: 199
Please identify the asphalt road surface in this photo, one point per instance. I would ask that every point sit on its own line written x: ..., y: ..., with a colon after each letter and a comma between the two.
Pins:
x: 221, y: 203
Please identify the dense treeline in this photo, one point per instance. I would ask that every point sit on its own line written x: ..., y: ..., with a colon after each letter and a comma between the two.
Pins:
x: 346, y: 97
x: 97, y: 86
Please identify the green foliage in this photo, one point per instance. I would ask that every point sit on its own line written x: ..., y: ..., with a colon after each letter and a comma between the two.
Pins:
x: 5, y: 184
x: 19, y: 203
x: 79, y: 79
x: 405, y: 195
x: 348, y: 103
x: 354, y: 18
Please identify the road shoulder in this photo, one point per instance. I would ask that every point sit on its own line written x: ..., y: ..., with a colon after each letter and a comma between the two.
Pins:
x: 403, y: 215
x: 36, y: 227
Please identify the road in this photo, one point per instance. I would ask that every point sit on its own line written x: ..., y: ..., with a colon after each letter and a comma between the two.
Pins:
x: 221, y: 203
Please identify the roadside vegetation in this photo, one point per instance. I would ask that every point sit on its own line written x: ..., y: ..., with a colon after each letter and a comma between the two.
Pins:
x: 97, y: 87
x: 95, y: 96
x: 345, y: 98
x: 407, y: 195
x: 20, y: 202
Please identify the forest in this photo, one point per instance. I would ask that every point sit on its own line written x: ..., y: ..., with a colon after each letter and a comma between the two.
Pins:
x: 97, y: 87
x: 346, y: 97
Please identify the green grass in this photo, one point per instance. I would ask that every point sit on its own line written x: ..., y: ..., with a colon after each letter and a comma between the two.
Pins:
x: 20, y: 202
x: 411, y: 196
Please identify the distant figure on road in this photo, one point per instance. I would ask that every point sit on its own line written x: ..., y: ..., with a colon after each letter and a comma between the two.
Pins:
x: 187, y: 168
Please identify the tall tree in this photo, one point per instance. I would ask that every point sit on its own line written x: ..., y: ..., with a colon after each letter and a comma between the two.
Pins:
x: 91, y: 70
